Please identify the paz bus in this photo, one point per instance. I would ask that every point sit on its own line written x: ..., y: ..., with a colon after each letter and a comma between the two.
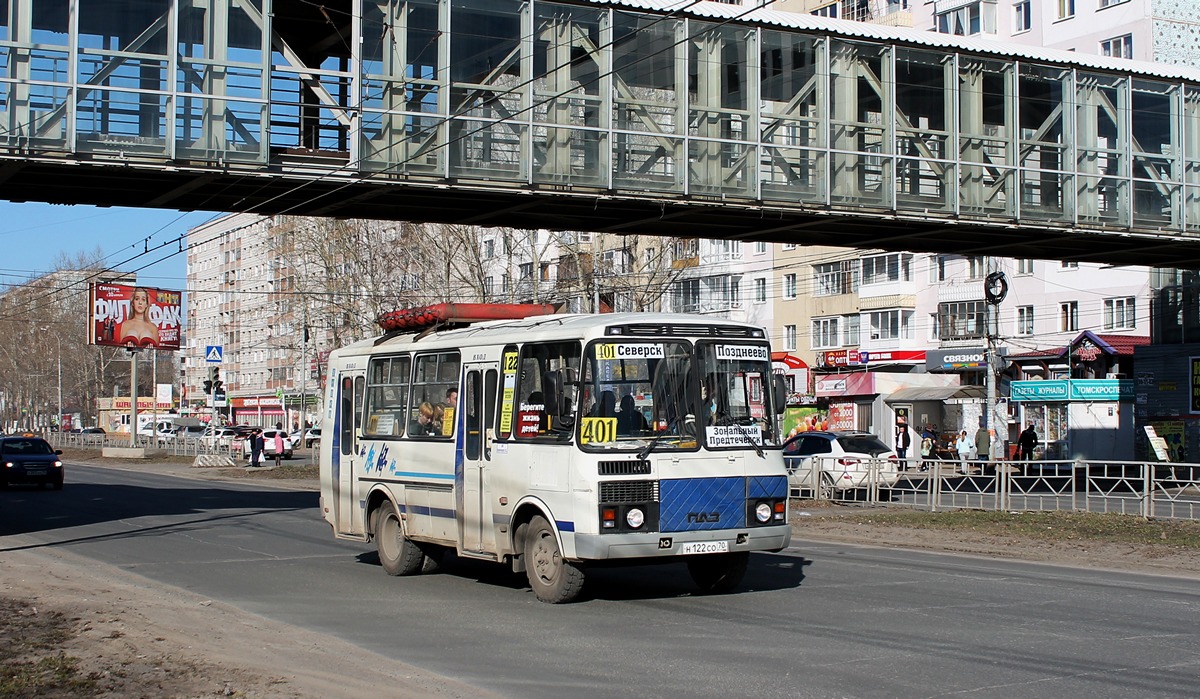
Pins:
x: 555, y: 442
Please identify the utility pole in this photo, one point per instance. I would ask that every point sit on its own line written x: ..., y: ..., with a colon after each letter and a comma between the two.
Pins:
x: 133, y: 392
x: 303, y: 376
x: 60, y: 405
x: 995, y: 288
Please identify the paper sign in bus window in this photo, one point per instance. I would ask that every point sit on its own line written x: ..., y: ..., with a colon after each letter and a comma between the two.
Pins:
x: 750, y: 352
x: 597, y: 429
x: 630, y: 350
x: 529, y: 419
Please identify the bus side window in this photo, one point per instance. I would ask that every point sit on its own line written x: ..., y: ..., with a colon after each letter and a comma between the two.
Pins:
x: 547, y: 411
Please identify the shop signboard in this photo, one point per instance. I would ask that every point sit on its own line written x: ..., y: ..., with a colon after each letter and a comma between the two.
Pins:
x: 1194, y: 365
x: 842, y: 416
x: 955, y: 359
x: 1067, y: 390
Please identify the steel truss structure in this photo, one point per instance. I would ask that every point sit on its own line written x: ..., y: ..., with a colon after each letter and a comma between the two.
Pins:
x: 719, y: 122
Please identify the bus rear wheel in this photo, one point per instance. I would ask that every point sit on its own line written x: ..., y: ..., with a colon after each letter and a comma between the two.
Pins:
x: 719, y: 572
x: 554, y: 579
x: 397, y: 554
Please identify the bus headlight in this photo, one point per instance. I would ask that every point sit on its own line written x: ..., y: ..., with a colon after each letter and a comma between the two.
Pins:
x: 763, y: 512
x: 635, y: 518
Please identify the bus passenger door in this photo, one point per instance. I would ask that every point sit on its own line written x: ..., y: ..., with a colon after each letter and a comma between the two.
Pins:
x: 345, y: 452
x: 478, y: 406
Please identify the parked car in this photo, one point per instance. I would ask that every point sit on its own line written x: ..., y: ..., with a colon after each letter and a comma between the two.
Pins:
x: 225, y: 436
x: 269, y: 444
x: 840, y: 460
x: 30, y: 460
x: 188, y: 433
x: 311, y: 437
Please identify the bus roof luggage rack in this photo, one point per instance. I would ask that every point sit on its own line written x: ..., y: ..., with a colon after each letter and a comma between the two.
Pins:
x: 411, y: 320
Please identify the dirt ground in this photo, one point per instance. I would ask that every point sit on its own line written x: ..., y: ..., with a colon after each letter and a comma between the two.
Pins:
x: 121, y: 635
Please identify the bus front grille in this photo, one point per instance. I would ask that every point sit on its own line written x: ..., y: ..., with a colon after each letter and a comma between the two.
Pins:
x: 612, y: 492
x: 640, y: 467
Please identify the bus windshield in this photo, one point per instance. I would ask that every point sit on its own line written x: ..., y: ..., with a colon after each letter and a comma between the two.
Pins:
x: 635, y: 392
x: 664, y: 394
x: 736, y: 395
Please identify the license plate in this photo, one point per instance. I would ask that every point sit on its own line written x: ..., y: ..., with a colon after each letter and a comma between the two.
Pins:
x: 35, y: 472
x: 704, y: 547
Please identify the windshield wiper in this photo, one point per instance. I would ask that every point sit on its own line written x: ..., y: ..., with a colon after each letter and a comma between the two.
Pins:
x: 645, y: 451
x: 729, y: 420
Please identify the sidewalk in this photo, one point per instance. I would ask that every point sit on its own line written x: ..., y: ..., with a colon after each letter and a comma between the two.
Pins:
x: 296, y: 474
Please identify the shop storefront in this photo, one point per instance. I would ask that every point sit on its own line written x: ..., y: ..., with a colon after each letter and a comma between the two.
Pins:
x: 261, y: 411
x: 113, y: 413
x: 856, y: 400
x: 1079, y: 398
x: 1167, y: 398
x: 946, y: 409
x: 1078, y: 418
x: 795, y: 373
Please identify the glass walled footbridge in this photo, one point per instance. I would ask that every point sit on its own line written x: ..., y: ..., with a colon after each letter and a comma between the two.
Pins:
x: 644, y: 116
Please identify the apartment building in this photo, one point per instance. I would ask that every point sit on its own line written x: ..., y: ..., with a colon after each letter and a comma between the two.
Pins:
x: 1145, y: 30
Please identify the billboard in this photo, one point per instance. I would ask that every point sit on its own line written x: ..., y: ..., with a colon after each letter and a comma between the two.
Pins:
x: 135, y: 316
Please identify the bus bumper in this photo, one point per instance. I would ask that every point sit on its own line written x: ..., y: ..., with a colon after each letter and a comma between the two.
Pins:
x: 674, y: 544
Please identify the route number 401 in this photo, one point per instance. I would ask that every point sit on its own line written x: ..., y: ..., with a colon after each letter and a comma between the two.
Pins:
x: 598, y: 429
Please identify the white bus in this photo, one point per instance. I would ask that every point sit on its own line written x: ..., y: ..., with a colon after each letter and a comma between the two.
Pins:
x: 555, y: 442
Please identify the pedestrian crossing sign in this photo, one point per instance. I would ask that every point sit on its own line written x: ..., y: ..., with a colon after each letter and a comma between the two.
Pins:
x: 212, y: 354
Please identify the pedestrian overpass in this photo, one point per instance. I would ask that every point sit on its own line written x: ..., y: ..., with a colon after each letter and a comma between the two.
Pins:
x: 635, y: 116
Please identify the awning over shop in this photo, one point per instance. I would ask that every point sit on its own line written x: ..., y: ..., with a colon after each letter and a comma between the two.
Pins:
x: 936, y: 393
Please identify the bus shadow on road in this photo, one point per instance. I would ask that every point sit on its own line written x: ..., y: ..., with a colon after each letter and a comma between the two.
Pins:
x: 766, y: 572
x: 30, y: 511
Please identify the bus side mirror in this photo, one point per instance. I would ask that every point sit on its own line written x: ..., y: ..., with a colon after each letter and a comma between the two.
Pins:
x: 781, y: 393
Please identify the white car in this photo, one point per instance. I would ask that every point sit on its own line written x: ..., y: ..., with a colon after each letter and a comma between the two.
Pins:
x: 225, y: 436
x: 840, y: 460
x: 269, y: 444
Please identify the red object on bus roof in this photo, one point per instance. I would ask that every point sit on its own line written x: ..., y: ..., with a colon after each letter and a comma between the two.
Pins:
x: 423, y: 317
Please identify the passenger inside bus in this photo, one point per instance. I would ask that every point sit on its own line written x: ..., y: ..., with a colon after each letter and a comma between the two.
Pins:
x: 607, y: 406
x: 422, y: 424
x: 630, y: 421
x: 714, y: 408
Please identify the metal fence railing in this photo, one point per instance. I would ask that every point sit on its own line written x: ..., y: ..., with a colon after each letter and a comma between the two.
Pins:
x: 191, y: 446
x: 1146, y: 489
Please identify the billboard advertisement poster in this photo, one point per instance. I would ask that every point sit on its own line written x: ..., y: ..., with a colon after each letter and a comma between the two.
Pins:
x: 135, y: 316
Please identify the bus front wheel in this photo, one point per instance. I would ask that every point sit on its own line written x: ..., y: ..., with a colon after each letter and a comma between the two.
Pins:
x: 397, y: 554
x: 553, y: 578
x: 719, y: 572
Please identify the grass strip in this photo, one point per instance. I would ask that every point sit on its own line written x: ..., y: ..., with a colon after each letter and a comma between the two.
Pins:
x: 1046, y: 526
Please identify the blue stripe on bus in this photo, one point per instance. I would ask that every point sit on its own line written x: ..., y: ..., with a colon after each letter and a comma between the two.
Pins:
x: 565, y: 526
x: 415, y: 474
x: 430, y: 511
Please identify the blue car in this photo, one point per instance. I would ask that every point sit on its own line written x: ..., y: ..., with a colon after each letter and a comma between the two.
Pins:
x: 30, y: 460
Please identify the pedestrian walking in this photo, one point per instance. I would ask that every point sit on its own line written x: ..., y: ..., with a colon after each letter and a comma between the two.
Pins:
x: 983, y: 446
x: 1027, y: 442
x: 928, y: 446
x: 903, y: 442
x: 964, y: 446
x: 278, y: 447
x: 256, y: 448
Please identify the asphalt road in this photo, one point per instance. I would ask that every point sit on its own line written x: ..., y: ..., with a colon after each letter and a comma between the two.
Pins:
x: 818, y: 620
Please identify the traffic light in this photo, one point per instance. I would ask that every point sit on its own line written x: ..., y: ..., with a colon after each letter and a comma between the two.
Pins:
x: 218, y: 384
x: 208, y: 383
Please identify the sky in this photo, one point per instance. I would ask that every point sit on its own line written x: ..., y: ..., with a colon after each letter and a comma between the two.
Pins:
x: 33, y: 235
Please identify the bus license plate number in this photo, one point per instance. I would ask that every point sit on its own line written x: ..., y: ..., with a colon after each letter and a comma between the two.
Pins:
x: 704, y: 547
